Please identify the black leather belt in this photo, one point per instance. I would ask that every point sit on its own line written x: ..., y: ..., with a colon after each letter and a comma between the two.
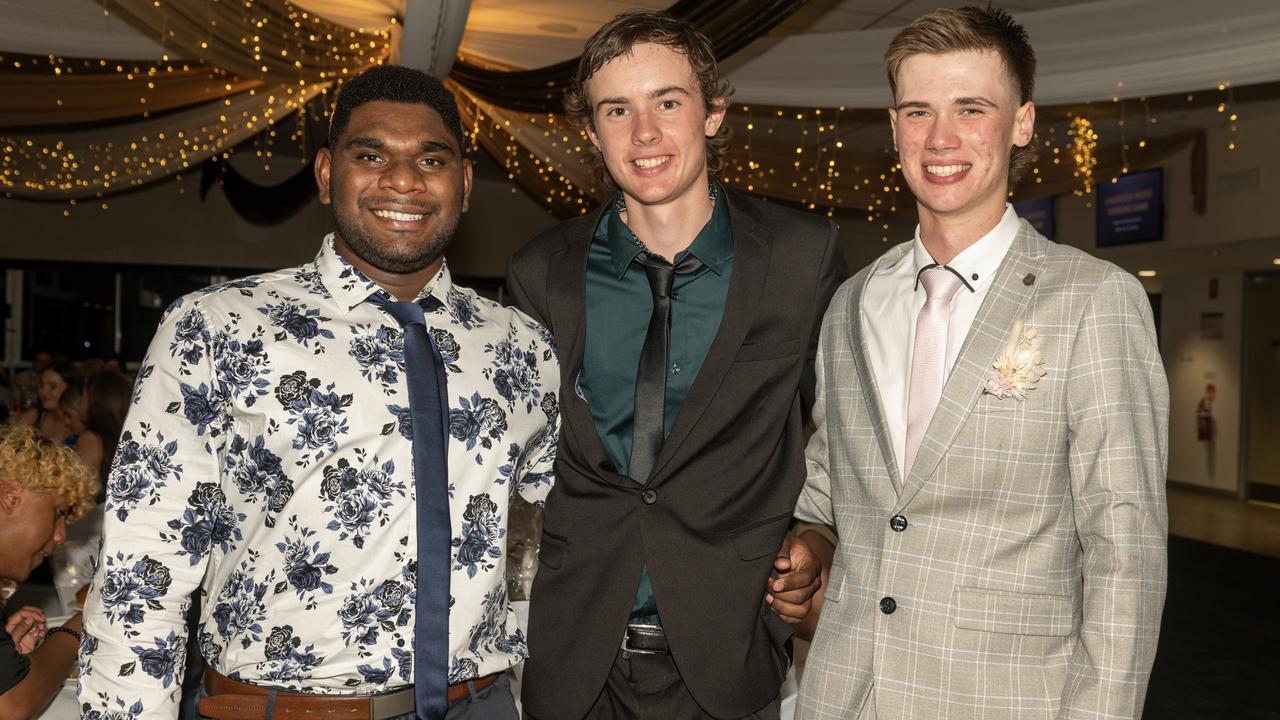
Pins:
x: 645, y: 640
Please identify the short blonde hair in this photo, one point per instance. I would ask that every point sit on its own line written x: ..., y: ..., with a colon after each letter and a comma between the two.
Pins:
x: 32, y: 461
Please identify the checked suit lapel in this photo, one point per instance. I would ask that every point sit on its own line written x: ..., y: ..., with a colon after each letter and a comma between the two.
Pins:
x: 866, y: 374
x: 1006, y: 301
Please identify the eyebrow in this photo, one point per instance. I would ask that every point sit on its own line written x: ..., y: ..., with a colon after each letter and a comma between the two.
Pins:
x: 967, y: 100
x: 429, y: 146
x: 653, y: 95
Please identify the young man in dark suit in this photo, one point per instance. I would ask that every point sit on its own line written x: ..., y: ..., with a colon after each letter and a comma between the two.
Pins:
x: 686, y: 318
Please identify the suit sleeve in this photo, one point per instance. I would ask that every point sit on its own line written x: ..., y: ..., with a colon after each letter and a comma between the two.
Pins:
x: 1118, y: 405
x: 814, y: 504
x: 525, y: 287
x: 832, y: 272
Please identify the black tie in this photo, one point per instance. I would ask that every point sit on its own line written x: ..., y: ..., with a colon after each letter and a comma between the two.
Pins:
x: 647, y: 429
x: 425, y: 374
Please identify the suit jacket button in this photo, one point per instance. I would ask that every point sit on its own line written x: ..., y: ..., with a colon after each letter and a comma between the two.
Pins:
x: 898, y: 523
x: 888, y: 605
x: 649, y: 496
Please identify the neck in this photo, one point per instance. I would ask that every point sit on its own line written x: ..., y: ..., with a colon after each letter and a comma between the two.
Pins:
x: 671, y: 227
x: 947, y: 237
x: 404, y: 287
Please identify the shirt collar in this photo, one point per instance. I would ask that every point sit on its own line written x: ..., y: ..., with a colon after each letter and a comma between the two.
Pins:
x: 978, y: 263
x: 713, y: 245
x: 350, y: 288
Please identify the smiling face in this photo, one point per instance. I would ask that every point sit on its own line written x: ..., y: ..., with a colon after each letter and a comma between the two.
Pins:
x: 650, y: 124
x: 956, y: 121
x: 51, y: 388
x: 34, y: 523
x: 398, y: 184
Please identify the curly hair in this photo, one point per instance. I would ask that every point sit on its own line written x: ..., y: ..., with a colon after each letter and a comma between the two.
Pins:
x: 398, y: 84
x: 972, y: 28
x: 30, y: 460
x: 637, y: 27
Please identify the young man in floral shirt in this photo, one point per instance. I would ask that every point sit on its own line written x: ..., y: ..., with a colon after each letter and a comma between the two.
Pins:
x: 273, y: 458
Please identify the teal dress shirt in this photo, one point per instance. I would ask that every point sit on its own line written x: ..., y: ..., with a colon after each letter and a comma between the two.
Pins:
x: 619, y: 304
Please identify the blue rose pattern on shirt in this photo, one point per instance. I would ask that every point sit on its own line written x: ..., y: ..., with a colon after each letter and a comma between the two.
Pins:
x: 268, y: 456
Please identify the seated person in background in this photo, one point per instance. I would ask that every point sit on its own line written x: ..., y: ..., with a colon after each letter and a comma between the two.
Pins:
x: 95, y: 417
x: 42, y: 486
x: 48, y: 416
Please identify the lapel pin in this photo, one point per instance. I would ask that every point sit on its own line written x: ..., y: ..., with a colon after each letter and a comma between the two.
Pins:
x: 1028, y: 279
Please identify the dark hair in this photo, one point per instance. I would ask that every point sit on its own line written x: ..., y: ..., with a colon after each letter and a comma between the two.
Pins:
x: 972, y: 28
x: 70, y: 375
x: 109, y: 396
x: 395, y: 83
x: 637, y: 27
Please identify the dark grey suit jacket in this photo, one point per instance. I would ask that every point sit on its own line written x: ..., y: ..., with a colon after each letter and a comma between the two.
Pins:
x: 713, y: 514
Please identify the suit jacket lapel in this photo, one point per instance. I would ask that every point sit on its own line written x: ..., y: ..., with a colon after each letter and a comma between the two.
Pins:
x: 1008, y: 298
x: 866, y: 373
x: 751, y: 248
x: 566, y: 301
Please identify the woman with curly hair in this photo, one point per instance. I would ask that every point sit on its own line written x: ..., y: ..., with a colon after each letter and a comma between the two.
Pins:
x: 43, y: 486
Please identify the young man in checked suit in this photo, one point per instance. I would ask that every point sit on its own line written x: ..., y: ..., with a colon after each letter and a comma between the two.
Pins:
x: 686, y: 319
x: 992, y: 429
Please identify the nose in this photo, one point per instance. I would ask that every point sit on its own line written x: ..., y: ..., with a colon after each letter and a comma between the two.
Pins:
x: 60, y: 531
x: 645, y: 131
x: 942, y: 135
x: 402, y: 176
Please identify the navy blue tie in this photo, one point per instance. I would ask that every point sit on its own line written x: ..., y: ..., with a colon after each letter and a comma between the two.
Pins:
x: 425, y: 373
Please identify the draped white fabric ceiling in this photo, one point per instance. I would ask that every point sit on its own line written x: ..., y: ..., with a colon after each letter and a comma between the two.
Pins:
x: 1087, y: 51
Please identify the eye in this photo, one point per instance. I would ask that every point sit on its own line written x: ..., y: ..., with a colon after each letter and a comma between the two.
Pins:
x: 616, y: 111
x: 62, y: 513
x: 669, y: 104
x: 368, y: 157
x: 971, y: 111
x: 917, y: 114
x: 432, y: 162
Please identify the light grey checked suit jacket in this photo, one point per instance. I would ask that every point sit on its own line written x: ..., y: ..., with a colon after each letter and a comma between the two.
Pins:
x: 1030, y: 578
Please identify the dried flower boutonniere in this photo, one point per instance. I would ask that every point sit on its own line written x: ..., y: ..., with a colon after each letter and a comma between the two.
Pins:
x: 1017, y: 370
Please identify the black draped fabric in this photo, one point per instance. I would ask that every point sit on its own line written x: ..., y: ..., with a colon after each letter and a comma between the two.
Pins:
x: 259, y: 204
x: 731, y: 26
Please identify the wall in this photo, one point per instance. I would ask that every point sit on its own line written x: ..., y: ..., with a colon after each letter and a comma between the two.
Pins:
x: 1193, y: 361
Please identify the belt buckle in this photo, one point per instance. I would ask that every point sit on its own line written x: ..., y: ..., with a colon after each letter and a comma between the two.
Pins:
x: 643, y: 627
x: 392, y: 704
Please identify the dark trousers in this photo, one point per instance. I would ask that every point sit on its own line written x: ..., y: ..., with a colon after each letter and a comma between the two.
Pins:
x: 649, y: 687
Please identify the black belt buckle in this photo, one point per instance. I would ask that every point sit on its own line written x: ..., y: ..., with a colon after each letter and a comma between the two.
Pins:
x: 645, y: 640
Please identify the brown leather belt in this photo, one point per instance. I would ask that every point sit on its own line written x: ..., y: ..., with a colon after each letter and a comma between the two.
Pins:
x: 234, y: 700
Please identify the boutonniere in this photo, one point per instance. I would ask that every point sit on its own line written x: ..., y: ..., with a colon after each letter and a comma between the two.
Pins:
x: 1017, y: 370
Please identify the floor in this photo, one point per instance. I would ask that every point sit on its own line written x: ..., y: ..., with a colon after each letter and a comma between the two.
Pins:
x: 1224, y: 521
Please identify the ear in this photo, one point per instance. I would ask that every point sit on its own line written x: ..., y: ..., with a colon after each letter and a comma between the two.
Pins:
x: 10, y: 497
x: 1024, y: 124
x: 466, y: 183
x: 893, y: 126
x: 592, y: 136
x: 323, y: 159
x: 715, y: 118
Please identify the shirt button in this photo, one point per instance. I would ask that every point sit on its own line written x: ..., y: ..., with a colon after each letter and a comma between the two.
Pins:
x: 898, y: 523
x: 675, y: 369
x: 888, y: 605
x: 649, y: 496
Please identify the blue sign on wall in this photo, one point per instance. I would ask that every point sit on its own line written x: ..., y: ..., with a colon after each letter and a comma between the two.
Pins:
x: 1131, y: 210
x: 1038, y: 212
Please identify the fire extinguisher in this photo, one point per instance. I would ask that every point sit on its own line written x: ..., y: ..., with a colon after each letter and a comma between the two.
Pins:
x: 1204, y: 415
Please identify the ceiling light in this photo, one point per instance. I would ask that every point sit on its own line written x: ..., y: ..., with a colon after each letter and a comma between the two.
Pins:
x: 1146, y: 273
x: 1276, y: 261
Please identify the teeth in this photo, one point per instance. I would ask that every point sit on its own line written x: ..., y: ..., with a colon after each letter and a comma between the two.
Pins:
x: 393, y: 215
x: 945, y: 170
x: 648, y: 163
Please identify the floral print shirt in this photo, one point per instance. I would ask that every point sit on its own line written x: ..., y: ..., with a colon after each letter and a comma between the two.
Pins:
x: 266, y: 459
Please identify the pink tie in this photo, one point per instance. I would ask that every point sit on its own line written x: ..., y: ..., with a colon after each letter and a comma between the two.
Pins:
x: 928, y: 360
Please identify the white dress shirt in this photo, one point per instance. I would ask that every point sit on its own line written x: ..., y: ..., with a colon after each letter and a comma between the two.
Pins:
x: 891, y: 303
